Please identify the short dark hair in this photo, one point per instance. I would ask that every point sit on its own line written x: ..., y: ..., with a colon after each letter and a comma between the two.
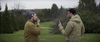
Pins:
x: 73, y: 11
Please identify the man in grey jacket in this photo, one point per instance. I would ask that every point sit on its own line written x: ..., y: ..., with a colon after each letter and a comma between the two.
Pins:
x: 74, y: 29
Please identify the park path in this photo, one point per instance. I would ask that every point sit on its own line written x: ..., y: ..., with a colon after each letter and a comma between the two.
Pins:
x: 46, y: 27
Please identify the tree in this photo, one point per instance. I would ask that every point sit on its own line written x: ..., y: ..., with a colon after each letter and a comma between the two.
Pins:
x: 87, y: 5
x: 98, y: 8
x: 7, y: 27
x: 54, y: 11
x: 43, y: 15
x: 62, y: 18
x: 46, y: 14
x: 81, y: 5
x: 13, y: 22
x: 1, y: 23
x: 18, y: 11
x: 18, y: 5
x: 0, y: 20
x: 91, y: 21
x: 61, y: 10
x: 22, y: 22
x: 89, y: 13
x: 0, y: 6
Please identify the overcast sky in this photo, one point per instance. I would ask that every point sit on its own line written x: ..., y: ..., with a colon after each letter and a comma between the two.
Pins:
x: 40, y: 4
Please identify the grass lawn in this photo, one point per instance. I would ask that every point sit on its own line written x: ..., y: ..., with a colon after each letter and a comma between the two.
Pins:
x: 90, y: 38
x: 45, y: 36
x: 46, y: 24
x: 15, y: 37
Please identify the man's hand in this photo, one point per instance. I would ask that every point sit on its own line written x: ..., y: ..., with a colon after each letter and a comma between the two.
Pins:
x: 38, y: 21
x: 59, y: 25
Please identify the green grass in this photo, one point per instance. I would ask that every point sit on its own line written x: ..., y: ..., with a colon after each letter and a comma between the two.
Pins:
x: 46, y: 24
x: 45, y: 36
x: 90, y: 38
x: 15, y: 37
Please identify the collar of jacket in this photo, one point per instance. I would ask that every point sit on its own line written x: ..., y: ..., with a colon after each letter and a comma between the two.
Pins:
x: 31, y: 21
x: 75, y: 18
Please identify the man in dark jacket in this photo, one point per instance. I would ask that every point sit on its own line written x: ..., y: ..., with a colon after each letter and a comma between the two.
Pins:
x: 31, y: 31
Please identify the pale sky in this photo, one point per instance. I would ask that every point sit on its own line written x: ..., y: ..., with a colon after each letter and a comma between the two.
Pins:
x: 40, y: 4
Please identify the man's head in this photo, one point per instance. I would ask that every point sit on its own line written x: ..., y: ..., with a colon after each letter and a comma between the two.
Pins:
x: 32, y: 16
x: 71, y: 12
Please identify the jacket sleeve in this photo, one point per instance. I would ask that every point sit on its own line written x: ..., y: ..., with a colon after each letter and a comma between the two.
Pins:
x: 35, y: 29
x: 82, y: 30
x: 67, y: 30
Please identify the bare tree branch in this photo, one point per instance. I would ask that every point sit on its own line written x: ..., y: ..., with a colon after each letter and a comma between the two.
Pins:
x: 18, y: 5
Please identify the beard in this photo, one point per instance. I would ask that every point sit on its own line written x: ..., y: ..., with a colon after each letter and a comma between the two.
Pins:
x: 34, y: 21
x: 69, y: 17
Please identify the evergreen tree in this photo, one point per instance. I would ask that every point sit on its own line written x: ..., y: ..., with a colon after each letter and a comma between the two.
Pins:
x: 98, y: 8
x: 46, y: 15
x: 61, y: 10
x: 88, y: 12
x: 22, y: 22
x: 0, y: 23
x: 0, y: 6
x: 54, y: 11
x: 7, y: 27
x: 13, y: 22
x: 91, y: 22
x: 87, y: 5
x: 16, y: 26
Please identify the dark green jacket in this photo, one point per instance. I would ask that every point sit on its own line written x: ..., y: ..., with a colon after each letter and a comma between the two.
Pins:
x: 31, y: 32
